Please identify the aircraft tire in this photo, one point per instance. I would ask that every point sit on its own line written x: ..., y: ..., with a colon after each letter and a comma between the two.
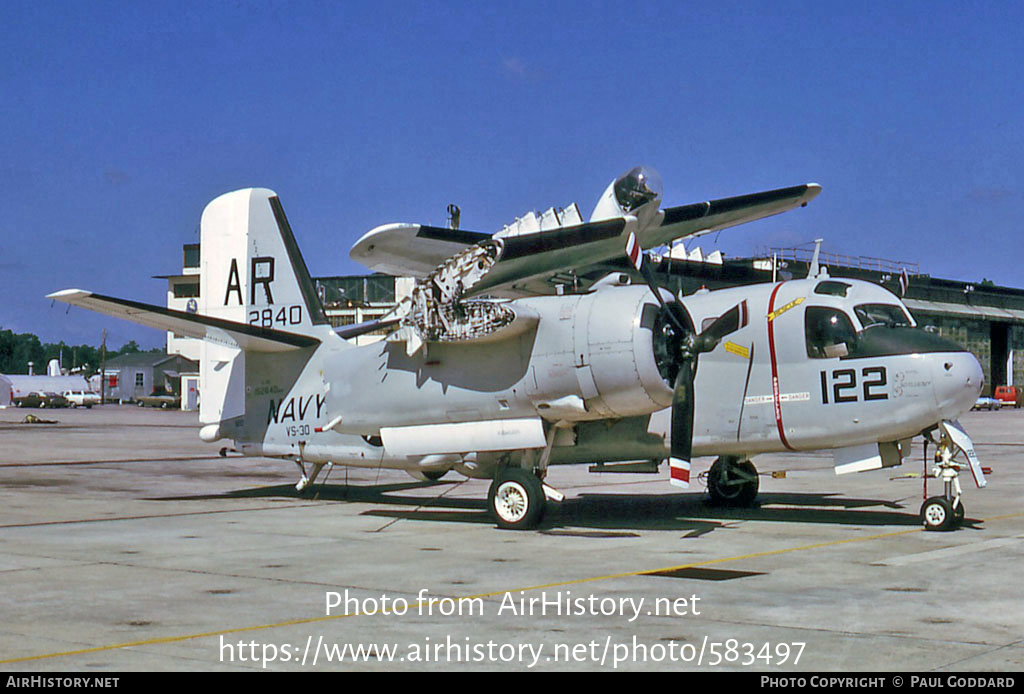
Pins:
x: 434, y: 475
x: 937, y: 514
x: 516, y: 499
x: 958, y: 514
x: 737, y: 495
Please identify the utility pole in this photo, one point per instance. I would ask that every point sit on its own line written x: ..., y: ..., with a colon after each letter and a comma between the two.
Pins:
x: 103, y: 369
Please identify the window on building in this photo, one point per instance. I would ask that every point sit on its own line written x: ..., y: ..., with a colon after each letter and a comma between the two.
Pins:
x: 185, y: 290
x: 191, y: 255
x: 340, y: 291
x: 139, y: 379
x: 380, y: 289
x: 340, y: 320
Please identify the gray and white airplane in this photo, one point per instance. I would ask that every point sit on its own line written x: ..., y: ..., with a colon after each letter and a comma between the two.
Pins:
x: 506, y: 359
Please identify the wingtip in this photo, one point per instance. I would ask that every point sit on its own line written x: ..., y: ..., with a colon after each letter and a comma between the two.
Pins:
x: 65, y: 294
x: 811, y: 191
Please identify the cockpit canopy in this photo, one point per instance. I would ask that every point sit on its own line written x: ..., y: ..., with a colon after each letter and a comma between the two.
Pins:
x: 637, y: 187
x: 886, y: 329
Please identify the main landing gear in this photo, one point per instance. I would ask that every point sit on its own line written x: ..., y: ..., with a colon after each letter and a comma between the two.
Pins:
x: 944, y: 512
x: 732, y: 482
x: 516, y: 499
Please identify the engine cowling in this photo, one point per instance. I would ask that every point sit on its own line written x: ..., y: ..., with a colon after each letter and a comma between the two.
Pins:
x: 622, y: 363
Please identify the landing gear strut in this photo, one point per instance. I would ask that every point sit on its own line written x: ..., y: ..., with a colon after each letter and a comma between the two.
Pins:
x: 307, y: 480
x: 732, y: 482
x: 944, y: 512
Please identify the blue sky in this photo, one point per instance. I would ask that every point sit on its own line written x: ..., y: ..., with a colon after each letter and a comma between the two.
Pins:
x: 120, y: 121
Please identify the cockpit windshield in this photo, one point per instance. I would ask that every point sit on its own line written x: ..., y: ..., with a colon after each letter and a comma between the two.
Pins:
x: 886, y: 315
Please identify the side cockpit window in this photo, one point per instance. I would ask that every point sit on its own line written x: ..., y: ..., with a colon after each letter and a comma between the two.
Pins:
x: 887, y: 315
x: 829, y: 333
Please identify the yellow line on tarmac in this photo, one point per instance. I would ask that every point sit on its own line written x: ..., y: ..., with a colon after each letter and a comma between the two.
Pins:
x: 625, y: 574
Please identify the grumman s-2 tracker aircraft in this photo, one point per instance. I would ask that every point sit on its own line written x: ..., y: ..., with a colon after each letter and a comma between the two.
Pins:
x: 514, y: 353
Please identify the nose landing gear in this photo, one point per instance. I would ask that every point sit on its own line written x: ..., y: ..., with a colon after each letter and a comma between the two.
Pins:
x: 946, y: 512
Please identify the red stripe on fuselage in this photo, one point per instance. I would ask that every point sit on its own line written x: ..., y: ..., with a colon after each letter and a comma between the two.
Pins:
x: 775, y: 369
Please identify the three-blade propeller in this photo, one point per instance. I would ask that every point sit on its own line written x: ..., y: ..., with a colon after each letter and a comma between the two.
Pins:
x: 691, y: 346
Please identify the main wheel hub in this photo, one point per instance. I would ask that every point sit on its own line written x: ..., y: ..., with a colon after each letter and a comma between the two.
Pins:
x: 511, y: 502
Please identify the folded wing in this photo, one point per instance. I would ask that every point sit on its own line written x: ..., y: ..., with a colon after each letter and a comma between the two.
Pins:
x: 417, y: 250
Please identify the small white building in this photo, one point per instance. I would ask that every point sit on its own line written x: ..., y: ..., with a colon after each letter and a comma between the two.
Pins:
x: 5, y: 391
x: 131, y: 376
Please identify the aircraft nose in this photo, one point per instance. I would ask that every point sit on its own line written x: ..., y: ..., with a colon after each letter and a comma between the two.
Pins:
x: 958, y: 382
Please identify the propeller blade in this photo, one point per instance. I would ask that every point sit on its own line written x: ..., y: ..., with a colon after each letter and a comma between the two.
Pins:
x: 727, y: 323
x: 639, y: 260
x: 683, y: 392
x: 682, y: 425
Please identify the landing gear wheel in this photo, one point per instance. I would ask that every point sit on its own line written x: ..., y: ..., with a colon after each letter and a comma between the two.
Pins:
x: 434, y: 475
x: 958, y: 514
x: 732, y: 483
x: 516, y: 499
x: 937, y: 514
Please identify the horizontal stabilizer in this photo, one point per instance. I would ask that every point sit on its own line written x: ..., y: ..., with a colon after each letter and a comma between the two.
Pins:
x: 251, y: 338
x: 349, y: 332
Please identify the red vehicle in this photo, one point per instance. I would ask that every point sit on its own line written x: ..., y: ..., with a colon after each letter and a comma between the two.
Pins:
x: 1009, y: 395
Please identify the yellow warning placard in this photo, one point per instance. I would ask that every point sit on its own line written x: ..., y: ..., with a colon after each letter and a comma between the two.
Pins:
x: 737, y: 349
x: 779, y: 311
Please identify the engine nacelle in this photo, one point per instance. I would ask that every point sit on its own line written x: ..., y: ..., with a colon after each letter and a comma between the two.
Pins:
x: 623, y: 358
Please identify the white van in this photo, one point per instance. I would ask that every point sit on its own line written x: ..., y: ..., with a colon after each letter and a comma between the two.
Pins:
x: 82, y: 398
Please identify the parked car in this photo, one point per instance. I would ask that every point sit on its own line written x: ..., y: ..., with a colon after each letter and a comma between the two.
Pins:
x: 986, y: 403
x: 41, y: 398
x: 165, y: 400
x: 1009, y: 396
x: 82, y: 398
x: 34, y: 399
x: 55, y: 400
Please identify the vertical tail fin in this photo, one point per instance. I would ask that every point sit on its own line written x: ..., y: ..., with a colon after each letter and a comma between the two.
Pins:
x: 251, y: 268
x: 251, y: 272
